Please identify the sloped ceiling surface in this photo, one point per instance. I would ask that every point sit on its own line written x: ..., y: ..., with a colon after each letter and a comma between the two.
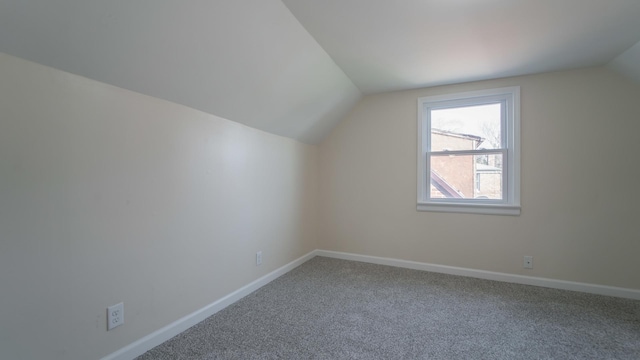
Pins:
x: 628, y: 63
x: 245, y: 60
x: 296, y: 67
x: 391, y: 45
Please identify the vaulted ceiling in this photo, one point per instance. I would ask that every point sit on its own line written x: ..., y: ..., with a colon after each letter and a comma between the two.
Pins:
x: 296, y: 67
x: 394, y: 45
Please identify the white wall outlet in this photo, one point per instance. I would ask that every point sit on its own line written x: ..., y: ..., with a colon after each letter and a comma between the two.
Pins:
x: 259, y: 258
x: 528, y: 262
x: 115, y: 315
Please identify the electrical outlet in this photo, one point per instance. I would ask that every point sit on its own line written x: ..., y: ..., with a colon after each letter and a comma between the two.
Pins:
x: 528, y: 262
x: 259, y: 258
x: 115, y: 316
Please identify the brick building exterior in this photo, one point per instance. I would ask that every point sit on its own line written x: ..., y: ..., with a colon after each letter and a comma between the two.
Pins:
x: 463, y: 176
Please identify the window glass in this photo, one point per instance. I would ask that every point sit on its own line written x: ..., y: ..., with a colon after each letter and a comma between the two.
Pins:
x: 482, y: 122
x: 466, y: 176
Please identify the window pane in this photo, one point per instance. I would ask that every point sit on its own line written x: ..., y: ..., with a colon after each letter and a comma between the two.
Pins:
x: 466, y: 128
x: 466, y: 176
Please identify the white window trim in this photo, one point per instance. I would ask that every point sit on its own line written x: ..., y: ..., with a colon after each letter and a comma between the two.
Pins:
x: 510, y: 205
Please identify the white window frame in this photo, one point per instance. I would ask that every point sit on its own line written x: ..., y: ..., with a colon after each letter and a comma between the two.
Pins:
x: 510, y: 132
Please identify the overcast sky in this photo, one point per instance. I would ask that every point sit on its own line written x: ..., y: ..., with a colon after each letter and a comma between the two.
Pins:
x: 471, y: 120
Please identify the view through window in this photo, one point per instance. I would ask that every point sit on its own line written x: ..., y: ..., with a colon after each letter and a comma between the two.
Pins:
x: 477, y: 176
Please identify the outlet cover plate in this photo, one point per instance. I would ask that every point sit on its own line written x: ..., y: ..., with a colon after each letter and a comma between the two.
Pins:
x: 528, y: 262
x: 115, y: 316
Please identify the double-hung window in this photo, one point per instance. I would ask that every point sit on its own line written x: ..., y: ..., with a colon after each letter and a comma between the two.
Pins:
x: 469, y: 152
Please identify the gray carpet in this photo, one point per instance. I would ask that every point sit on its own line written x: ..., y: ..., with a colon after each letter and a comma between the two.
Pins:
x: 336, y: 309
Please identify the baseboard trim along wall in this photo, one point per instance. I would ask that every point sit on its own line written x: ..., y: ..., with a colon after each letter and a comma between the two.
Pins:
x: 156, y: 338
x: 488, y: 275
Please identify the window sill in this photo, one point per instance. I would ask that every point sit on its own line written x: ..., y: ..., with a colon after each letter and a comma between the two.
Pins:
x: 486, y: 209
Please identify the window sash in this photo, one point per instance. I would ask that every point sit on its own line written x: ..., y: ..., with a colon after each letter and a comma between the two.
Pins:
x: 505, y: 176
x: 509, y: 97
x: 505, y: 107
x: 468, y: 152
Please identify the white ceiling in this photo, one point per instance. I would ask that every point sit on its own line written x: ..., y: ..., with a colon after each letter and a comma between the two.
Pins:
x: 391, y: 45
x: 296, y: 67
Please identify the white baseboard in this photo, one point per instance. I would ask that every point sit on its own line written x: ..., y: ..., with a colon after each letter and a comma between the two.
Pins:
x: 156, y: 338
x: 488, y: 275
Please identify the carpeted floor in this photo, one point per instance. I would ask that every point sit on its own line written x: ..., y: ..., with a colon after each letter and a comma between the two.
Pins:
x: 336, y: 309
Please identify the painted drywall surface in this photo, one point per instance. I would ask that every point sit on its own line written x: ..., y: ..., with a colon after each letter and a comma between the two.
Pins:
x: 107, y: 195
x: 249, y: 61
x: 580, y: 143
x: 628, y: 63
